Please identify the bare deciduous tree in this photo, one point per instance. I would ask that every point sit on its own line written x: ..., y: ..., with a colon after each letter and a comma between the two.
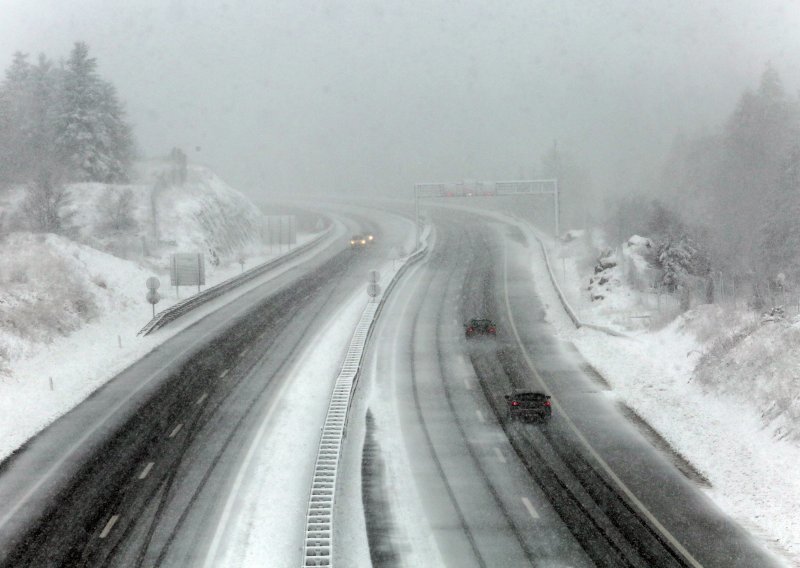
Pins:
x: 117, y: 210
x: 45, y: 206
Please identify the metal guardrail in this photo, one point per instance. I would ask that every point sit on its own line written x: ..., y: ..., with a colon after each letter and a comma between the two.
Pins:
x: 318, y: 543
x: 565, y: 303
x: 185, y: 306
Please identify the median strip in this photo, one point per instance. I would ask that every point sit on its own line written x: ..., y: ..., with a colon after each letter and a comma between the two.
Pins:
x: 318, y: 548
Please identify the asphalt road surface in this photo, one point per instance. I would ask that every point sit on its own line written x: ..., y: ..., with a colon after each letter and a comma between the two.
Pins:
x: 585, y: 489
x: 133, y: 476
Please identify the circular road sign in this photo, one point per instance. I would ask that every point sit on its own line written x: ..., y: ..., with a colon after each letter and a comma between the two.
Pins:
x: 153, y: 297
x: 373, y: 290
x: 374, y: 276
x: 153, y: 283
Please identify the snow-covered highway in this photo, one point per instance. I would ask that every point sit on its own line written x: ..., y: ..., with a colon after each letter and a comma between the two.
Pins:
x: 209, y: 455
x: 445, y: 480
x: 139, y: 473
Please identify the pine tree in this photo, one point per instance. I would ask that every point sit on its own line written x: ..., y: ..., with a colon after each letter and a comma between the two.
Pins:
x: 43, y: 92
x: 91, y: 132
x: 13, y: 115
x: 756, y: 140
x: 780, y: 233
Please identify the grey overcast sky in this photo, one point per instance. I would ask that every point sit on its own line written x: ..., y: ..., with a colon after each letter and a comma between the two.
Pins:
x: 363, y: 95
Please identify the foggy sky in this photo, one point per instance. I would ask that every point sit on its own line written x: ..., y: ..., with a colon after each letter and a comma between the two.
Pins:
x: 363, y: 95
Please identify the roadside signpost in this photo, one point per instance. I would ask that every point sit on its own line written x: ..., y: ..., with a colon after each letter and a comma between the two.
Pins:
x: 373, y: 288
x: 153, y: 296
x: 187, y: 269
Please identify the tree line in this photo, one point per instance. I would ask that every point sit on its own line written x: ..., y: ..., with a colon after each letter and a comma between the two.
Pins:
x: 63, y: 119
x: 728, y: 200
x: 58, y: 124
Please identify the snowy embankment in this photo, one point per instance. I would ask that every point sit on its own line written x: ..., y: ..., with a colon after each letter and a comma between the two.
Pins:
x: 71, y: 305
x: 717, y: 383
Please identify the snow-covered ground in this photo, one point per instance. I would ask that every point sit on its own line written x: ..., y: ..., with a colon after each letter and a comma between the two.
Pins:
x: 270, y: 502
x: 737, y: 421
x: 71, y: 306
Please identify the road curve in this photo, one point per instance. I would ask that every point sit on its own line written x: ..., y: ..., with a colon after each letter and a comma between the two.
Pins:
x: 593, y: 491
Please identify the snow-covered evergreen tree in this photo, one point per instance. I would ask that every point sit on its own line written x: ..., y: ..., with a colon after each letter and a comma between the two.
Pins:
x: 13, y: 117
x: 780, y: 233
x: 757, y: 138
x: 43, y: 92
x: 91, y: 131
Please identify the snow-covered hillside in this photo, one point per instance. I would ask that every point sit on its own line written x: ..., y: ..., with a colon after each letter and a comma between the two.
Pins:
x: 53, y: 284
x: 731, y: 373
x: 71, y: 304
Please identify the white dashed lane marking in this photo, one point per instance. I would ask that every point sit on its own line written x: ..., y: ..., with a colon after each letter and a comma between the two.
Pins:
x: 146, y: 470
x: 109, y: 525
x: 529, y: 506
x: 500, y: 457
x: 480, y: 416
x: 176, y: 430
x: 223, y: 373
x: 202, y: 398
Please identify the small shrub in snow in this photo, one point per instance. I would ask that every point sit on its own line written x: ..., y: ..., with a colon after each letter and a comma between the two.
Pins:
x: 774, y: 314
x: 725, y: 344
x: 117, y: 210
x: 45, y: 205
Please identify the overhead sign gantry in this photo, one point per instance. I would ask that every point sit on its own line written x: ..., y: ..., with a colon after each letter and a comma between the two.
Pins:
x: 436, y: 190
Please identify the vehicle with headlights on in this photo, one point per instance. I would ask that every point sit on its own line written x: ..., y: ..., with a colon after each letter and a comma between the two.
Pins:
x: 358, y: 241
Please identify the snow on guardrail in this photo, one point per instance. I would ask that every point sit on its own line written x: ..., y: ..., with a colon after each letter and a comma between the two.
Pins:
x: 565, y: 303
x: 318, y: 542
x: 185, y: 306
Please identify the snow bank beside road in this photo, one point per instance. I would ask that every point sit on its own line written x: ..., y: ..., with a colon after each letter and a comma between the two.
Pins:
x: 715, y: 416
x: 71, y: 305
x: 82, y: 358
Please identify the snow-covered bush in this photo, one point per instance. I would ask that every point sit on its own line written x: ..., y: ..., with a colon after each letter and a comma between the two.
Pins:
x: 604, y: 275
x: 46, y: 204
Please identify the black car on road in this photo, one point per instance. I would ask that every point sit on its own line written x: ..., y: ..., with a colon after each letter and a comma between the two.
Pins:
x: 478, y: 326
x: 530, y: 406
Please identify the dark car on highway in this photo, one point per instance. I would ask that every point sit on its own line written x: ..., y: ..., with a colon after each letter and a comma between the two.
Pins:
x: 530, y: 406
x: 477, y: 326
